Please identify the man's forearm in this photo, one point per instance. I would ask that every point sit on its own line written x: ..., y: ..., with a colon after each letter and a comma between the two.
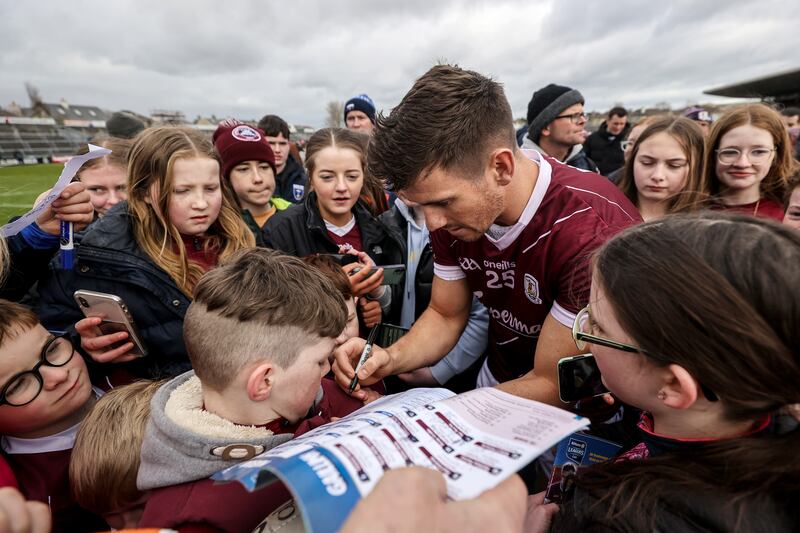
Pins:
x: 533, y: 387
x: 431, y: 337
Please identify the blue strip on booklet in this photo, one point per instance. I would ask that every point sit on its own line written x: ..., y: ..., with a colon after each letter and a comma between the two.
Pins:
x: 328, y: 492
x: 574, y: 453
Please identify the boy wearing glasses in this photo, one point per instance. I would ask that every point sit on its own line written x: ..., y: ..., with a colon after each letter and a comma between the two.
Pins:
x: 45, y: 393
x: 556, y: 126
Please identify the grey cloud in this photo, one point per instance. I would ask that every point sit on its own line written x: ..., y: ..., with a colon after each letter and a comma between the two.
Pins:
x: 250, y: 57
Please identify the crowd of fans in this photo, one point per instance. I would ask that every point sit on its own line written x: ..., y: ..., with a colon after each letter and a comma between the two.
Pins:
x: 668, y: 248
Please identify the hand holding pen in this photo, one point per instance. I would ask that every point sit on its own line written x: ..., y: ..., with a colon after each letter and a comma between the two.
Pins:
x: 364, y: 356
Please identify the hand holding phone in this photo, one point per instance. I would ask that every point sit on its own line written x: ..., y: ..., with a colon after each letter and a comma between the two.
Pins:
x: 363, y: 279
x: 579, y: 378
x: 101, y: 347
x: 105, y: 336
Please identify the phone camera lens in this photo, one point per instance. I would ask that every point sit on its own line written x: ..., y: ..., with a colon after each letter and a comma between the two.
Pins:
x: 83, y: 302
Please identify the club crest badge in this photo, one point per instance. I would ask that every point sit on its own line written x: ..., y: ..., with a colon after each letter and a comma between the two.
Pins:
x: 532, y: 289
x: 246, y: 133
x: 298, y: 191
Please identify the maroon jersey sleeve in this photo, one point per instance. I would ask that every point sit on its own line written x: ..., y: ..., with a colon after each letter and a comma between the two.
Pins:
x: 445, y: 257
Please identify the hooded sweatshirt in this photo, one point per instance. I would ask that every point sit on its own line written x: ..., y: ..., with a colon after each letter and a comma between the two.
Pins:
x: 184, y: 444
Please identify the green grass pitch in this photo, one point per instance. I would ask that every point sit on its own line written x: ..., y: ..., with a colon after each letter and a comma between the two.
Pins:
x: 21, y: 184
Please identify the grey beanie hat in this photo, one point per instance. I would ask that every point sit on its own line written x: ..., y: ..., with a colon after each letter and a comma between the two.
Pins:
x: 124, y: 125
x: 546, y: 104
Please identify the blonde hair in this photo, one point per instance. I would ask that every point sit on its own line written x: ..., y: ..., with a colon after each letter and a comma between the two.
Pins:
x: 689, y: 137
x: 105, y: 457
x: 150, y: 174
x: 763, y: 117
x: 120, y: 150
x: 259, y: 305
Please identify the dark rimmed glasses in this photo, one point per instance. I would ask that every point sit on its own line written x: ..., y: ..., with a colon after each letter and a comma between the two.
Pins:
x: 580, y: 334
x: 576, y: 118
x: 24, y: 387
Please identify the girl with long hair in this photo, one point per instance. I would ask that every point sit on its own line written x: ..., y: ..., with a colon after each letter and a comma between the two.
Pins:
x: 106, y: 178
x: 334, y: 219
x: 180, y: 219
x: 693, y: 320
x: 663, y: 173
x: 749, y: 160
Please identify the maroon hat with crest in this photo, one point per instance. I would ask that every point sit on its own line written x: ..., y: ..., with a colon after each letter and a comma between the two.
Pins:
x: 236, y: 142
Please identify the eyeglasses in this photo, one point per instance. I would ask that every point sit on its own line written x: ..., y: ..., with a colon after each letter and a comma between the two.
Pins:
x: 729, y: 156
x: 627, y: 145
x: 574, y: 117
x: 24, y: 387
x: 580, y: 334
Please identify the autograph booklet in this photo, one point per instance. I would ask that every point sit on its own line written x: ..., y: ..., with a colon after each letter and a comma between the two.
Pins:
x: 476, y: 440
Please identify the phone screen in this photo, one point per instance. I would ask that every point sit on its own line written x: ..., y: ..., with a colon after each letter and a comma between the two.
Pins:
x: 579, y: 378
x: 389, y: 334
x: 393, y: 274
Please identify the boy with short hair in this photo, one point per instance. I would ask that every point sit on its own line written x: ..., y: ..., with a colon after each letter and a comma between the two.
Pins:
x: 259, y: 334
x: 248, y: 163
x: 105, y: 459
x: 45, y: 394
x: 290, y: 177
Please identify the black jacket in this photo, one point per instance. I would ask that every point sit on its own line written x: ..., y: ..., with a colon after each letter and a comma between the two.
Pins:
x: 27, y: 265
x: 291, y: 183
x: 300, y: 231
x: 423, y: 280
x: 605, y: 149
x: 110, y: 260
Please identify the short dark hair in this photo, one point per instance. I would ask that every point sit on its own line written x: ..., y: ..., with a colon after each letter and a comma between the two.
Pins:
x: 273, y: 125
x: 258, y: 302
x: 790, y: 111
x: 449, y: 119
x: 617, y: 111
x: 333, y: 271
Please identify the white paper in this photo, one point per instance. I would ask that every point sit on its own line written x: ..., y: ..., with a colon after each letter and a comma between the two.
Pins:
x: 475, y: 440
x: 70, y: 169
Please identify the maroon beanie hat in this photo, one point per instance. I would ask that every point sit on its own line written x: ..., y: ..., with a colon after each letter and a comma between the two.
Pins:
x: 237, y: 142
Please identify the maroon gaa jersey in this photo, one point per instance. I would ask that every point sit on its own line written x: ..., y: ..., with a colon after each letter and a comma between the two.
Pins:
x: 539, y: 265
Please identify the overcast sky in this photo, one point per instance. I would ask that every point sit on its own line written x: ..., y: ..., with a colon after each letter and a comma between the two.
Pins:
x: 248, y: 58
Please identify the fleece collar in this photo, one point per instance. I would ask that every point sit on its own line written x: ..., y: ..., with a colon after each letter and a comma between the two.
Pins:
x: 183, y: 442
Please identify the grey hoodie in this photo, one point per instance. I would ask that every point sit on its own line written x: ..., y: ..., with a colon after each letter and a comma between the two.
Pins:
x: 183, y: 442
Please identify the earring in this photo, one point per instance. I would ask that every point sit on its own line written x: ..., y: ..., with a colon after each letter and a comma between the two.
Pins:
x: 661, y: 395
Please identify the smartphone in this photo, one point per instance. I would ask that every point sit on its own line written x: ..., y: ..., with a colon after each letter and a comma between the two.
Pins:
x: 342, y: 259
x: 579, y: 378
x: 392, y: 274
x: 115, y: 315
x: 389, y: 333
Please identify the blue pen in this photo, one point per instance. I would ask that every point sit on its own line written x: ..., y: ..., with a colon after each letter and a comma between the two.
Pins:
x: 67, y: 246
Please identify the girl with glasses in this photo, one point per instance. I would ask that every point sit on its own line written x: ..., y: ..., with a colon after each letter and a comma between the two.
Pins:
x: 690, y: 323
x: 749, y: 160
x: 663, y: 169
